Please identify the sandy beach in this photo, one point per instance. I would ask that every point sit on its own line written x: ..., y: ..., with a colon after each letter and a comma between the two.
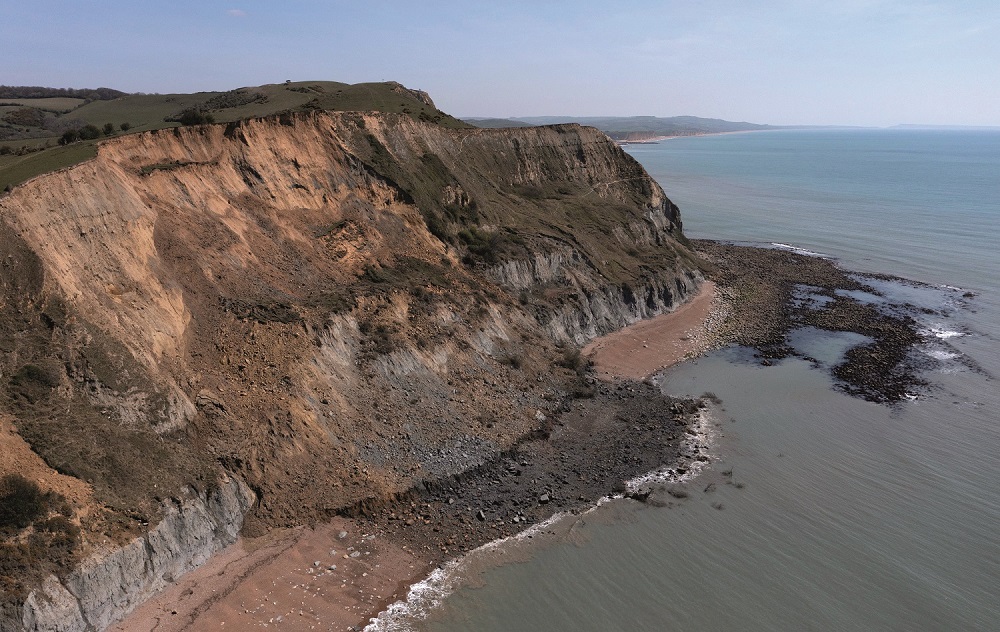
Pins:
x: 639, y: 350
x: 339, y: 575
x: 332, y: 577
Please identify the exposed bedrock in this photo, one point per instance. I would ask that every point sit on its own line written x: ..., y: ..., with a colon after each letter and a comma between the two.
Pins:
x: 108, y: 586
x: 330, y: 307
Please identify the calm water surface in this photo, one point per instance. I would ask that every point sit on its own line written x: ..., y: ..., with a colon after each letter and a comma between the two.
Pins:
x: 820, y: 511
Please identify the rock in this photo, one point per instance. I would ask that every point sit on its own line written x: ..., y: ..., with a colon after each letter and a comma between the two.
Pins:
x: 107, y: 587
x: 543, y: 499
x: 640, y: 494
x: 480, y: 515
x: 341, y: 535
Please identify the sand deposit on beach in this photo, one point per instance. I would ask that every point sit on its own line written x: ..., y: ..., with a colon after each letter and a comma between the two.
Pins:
x: 642, y: 349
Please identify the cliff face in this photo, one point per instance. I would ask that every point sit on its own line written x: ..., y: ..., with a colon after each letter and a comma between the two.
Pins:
x: 331, y: 307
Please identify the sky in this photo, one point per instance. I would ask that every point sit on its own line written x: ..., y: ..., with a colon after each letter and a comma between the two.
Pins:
x: 783, y: 62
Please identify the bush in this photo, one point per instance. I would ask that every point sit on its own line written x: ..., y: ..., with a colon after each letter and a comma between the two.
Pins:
x: 26, y: 117
x: 21, y: 502
x: 5, y: 150
x: 89, y: 132
x: 571, y: 359
x: 125, y: 126
x: 481, y: 245
x: 191, y: 116
x: 33, y: 383
x: 69, y: 136
x: 109, y: 129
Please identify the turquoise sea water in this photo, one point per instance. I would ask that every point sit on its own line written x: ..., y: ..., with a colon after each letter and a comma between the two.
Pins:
x: 819, y: 511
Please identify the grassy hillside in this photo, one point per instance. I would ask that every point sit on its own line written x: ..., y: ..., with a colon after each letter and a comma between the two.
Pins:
x: 52, y: 104
x: 31, y: 128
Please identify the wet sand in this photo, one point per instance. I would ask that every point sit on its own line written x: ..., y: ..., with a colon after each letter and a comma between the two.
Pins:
x: 642, y: 349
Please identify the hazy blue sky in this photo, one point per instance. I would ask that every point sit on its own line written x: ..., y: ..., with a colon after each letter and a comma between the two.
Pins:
x: 865, y: 62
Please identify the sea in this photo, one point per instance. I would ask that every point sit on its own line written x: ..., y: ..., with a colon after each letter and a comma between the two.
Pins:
x: 818, y: 510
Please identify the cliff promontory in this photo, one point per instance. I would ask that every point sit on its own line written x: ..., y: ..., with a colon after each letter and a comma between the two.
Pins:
x: 266, y: 322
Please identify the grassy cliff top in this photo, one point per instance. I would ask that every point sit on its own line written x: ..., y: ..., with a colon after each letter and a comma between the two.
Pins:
x: 33, y: 131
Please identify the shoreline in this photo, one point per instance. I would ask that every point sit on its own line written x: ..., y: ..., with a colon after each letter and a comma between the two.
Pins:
x: 653, y: 140
x: 622, y: 430
x: 292, y: 578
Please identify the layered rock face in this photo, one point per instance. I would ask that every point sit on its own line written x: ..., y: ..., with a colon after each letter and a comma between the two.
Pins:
x: 294, y: 315
x: 108, y: 586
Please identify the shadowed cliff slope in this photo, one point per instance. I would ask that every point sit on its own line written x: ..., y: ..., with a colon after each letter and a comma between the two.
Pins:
x: 329, y: 307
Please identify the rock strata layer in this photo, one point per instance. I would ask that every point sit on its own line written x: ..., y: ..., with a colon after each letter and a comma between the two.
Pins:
x: 107, y: 587
x: 331, y: 307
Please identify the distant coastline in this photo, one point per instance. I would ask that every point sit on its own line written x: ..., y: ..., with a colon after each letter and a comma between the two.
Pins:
x: 655, y: 140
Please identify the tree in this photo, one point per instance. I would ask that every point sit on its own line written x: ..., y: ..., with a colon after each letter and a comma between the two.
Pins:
x: 69, y: 136
x: 89, y: 132
x: 193, y: 116
x: 109, y: 129
x: 126, y: 126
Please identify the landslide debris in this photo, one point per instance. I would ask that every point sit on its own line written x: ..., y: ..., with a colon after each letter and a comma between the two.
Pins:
x: 331, y: 307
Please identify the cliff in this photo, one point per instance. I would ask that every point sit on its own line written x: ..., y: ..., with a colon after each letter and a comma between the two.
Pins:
x: 290, y: 316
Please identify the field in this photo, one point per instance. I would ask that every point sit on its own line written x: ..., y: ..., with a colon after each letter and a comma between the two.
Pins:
x: 51, y: 104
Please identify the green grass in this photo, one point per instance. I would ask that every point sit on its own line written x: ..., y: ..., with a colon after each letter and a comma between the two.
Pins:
x: 52, y: 104
x: 16, y: 169
x: 147, y: 112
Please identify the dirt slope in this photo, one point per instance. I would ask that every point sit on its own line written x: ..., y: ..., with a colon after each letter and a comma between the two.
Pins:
x: 331, y: 306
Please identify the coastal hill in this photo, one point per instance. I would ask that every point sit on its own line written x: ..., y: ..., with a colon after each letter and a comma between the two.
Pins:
x: 630, y: 128
x: 327, y: 297
x: 36, y: 123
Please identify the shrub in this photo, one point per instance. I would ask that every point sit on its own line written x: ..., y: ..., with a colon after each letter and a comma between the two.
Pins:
x: 25, y: 116
x: 89, y: 132
x: 21, y: 502
x: 126, y: 126
x: 481, y: 245
x: 69, y: 136
x: 511, y: 359
x: 33, y: 383
x: 191, y: 116
x: 6, y: 150
x: 109, y: 129
x: 437, y: 226
x: 571, y: 359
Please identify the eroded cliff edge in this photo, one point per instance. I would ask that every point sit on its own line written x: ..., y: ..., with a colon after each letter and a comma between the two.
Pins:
x: 301, y: 313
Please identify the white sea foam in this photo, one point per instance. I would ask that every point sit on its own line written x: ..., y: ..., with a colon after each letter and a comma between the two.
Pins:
x: 939, y: 354
x: 939, y: 331
x: 797, y: 250
x: 429, y: 594
x: 688, y: 466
